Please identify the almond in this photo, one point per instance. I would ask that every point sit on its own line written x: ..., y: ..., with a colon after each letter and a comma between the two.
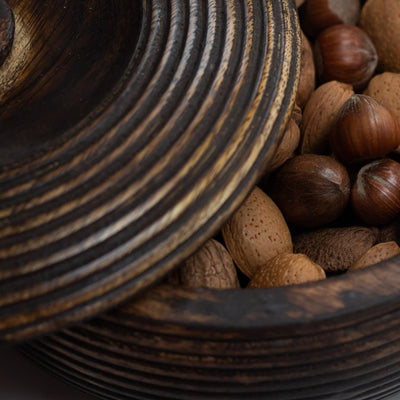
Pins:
x: 376, y: 254
x: 287, y: 147
x: 287, y: 269
x: 256, y: 232
x: 320, y: 114
x: 307, y: 73
x: 380, y: 20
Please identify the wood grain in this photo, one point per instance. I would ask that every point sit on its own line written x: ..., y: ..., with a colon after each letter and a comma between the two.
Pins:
x: 334, y: 339
x: 130, y: 136
x: 6, y: 30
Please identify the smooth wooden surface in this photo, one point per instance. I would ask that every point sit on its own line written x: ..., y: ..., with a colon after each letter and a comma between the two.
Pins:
x: 336, y: 339
x: 131, y: 130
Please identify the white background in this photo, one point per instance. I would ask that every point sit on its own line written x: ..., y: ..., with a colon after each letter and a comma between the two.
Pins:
x: 21, y: 379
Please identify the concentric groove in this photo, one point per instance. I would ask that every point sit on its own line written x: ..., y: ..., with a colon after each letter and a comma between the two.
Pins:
x: 89, y: 360
x: 129, y: 197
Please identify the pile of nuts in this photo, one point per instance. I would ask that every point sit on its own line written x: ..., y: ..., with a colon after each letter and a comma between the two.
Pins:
x: 330, y: 200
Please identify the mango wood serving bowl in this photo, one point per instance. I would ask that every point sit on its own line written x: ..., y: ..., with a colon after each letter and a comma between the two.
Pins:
x: 130, y: 131
x: 333, y: 340
x: 336, y: 339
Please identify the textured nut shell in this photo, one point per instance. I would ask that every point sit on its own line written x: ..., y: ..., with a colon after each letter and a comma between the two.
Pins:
x: 380, y: 20
x: 307, y: 73
x: 210, y: 267
x: 335, y: 249
x: 297, y: 114
x: 375, y: 254
x: 287, y: 269
x: 386, y: 88
x: 256, y: 233
x: 390, y: 232
x: 287, y: 147
x: 320, y: 113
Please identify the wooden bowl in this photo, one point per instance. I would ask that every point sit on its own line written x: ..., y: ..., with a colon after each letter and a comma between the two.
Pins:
x: 130, y: 131
x: 334, y: 339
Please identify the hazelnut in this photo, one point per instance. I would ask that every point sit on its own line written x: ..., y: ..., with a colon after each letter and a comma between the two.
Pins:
x: 376, y: 254
x: 345, y: 53
x: 319, y: 115
x: 311, y: 190
x: 210, y: 267
x: 364, y: 128
x: 380, y: 20
x: 287, y: 269
x: 321, y: 14
x: 376, y: 192
x: 335, y: 249
x: 256, y: 232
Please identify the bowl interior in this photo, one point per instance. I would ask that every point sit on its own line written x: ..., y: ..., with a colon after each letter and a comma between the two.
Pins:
x: 67, y: 61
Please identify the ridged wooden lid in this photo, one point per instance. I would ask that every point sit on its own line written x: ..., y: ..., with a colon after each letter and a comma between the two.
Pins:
x: 130, y: 191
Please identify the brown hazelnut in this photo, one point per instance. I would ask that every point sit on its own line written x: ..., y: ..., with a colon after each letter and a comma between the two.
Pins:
x: 321, y: 14
x: 311, y: 190
x: 376, y: 192
x: 345, y: 53
x: 364, y: 128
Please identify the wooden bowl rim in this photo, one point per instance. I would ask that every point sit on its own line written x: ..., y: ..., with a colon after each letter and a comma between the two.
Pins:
x: 372, y: 290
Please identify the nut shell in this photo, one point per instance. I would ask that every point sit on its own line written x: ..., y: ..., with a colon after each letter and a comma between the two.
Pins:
x: 311, y: 190
x: 376, y: 254
x: 345, y: 53
x: 287, y: 269
x: 319, y: 115
x: 364, y: 129
x: 386, y: 88
x: 287, y: 147
x: 210, y: 267
x: 376, y: 192
x: 256, y: 232
x: 335, y: 249
x: 307, y: 72
x: 321, y: 14
x: 380, y: 20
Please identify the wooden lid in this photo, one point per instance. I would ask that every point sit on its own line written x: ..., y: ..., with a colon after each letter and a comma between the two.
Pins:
x: 128, y: 139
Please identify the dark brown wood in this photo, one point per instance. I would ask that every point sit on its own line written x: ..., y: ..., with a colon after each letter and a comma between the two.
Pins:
x: 130, y: 131
x: 334, y: 339
x: 6, y: 30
